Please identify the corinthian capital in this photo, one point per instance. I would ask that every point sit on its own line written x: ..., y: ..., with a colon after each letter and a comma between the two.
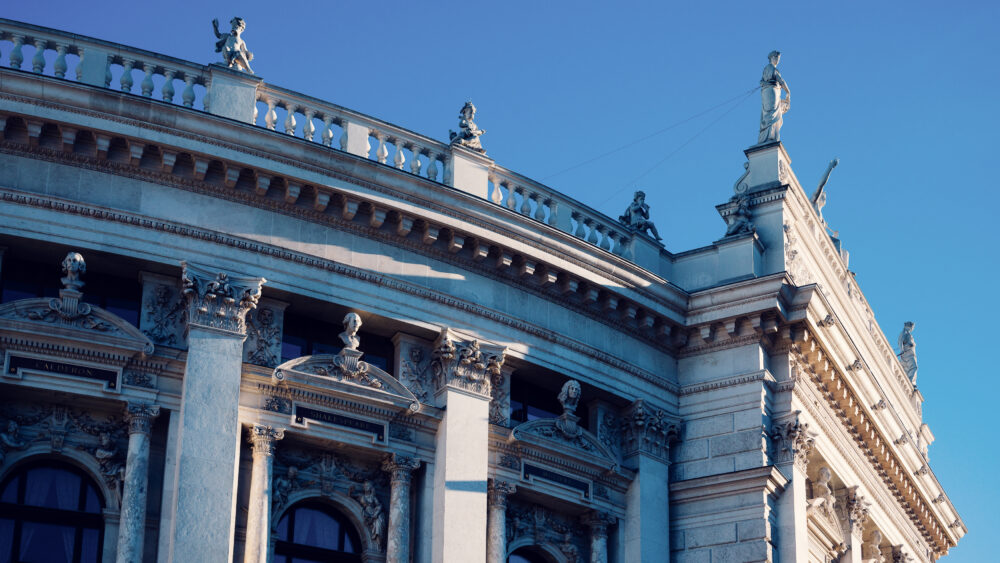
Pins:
x: 649, y: 430
x: 140, y: 417
x: 498, y: 491
x: 792, y: 440
x: 399, y: 467
x: 467, y: 365
x: 218, y: 300
x: 262, y: 438
x: 598, y: 522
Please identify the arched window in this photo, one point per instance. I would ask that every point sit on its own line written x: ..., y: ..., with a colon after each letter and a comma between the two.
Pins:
x: 528, y: 555
x: 50, y: 511
x: 312, y: 531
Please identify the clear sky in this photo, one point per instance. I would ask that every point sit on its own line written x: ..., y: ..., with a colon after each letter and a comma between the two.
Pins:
x: 904, y: 93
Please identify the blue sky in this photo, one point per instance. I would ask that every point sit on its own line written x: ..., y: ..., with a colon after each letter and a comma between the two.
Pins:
x: 904, y: 93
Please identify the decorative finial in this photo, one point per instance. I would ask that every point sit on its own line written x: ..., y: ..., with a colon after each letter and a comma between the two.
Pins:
x: 73, y: 266
x: 468, y: 133
x: 636, y: 217
x: 772, y: 106
x: 234, y: 50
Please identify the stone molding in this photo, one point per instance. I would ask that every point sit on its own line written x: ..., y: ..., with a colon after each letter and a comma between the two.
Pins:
x: 140, y: 416
x: 647, y: 429
x: 465, y: 364
x: 262, y: 439
x: 218, y: 300
x: 793, y: 441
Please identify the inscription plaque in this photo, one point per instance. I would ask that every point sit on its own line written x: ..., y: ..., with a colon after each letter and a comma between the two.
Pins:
x: 558, y: 478
x: 15, y: 363
x: 302, y: 413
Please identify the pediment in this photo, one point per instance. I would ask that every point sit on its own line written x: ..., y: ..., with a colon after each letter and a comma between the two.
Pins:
x: 346, y: 375
x: 564, y: 437
x: 86, y: 324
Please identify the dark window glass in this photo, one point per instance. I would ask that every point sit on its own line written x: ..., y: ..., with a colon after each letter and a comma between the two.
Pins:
x: 305, y: 336
x: 527, y: 555
x: 314, y: 532
x: 530, y: 402
x: 51, y: 512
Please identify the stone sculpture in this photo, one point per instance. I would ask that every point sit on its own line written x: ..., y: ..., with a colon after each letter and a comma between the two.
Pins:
x: 739, y: 219
x: 823, y: 498
x: 372, y: 509
x: 107, y: 455
x: 11, y: 440
x: 265, y: 336
x: 73, y: 267
x: 350, y: 338
x: 636, y: 217
x: 569, y: 396
x: 468, y: 133
x: 234, y: 50
x: 772, y: 106
x: 285, y: 484
x: 819, y: 196
x: 908, y: 351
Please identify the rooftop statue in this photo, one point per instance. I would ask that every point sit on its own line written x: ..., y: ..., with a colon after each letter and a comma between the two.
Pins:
x: 908, y: 352
x: 234, y: 50
x: 468, y: 133
x: 636, y: 217
x: 740, y: 219
x: 772, y: 106
x: 819, y: 196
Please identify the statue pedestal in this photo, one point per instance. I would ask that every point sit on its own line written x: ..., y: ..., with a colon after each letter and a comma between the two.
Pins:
x: 470, y: 171
x: 770, y: 166
x: 232, y: 93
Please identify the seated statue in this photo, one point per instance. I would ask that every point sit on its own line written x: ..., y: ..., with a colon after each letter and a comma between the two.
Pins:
x: 468, y: 133
x: 636, y: 217
x: 234, y: 50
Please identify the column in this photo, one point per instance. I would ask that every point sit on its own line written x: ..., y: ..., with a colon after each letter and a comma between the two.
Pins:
x: 792, y: 443
x: 132, y: 528
x: 204, y: 516
x: 461, y: 373
x: 598, y: 523
x: 648, y: 433
x: 496, y: 521
x: 262, y: 439
x: 857, y: 515
x: 400, y: 469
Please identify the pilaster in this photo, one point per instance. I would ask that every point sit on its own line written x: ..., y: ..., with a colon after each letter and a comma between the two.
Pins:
x: 400, y: 469
x: 203, y: 522
x: 496, y: 520
x: 462, y: 370
x: 647, y: 435
x: 132, y: 528
x: 792, y: 442
x: 262, y: 439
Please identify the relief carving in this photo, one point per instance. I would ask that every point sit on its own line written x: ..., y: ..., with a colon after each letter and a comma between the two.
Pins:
x: 413, y: 372
x: 649, y: 430
x: 163, y: 315
x: 372, y: 509
x: 543, y: 525
x: 466, y: 365
x: 217, y: 300
x: 792, y: 440
x: 263, y: 345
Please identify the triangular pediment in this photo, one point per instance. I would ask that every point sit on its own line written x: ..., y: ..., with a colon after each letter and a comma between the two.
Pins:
x: 346, y: 375
x: 566, y: 438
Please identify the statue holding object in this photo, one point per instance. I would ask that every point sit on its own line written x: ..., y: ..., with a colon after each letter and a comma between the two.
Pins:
x: 231, y: 45
x: 636, y: 217
x: 819, y: 196
x: 772, y: 106
x: 468, y: 133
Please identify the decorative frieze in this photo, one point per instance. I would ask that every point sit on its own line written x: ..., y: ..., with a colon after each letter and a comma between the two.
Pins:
x: 465, y: 365
x: 217, y: 300
x: 648, y: 430
x: 792, y: 440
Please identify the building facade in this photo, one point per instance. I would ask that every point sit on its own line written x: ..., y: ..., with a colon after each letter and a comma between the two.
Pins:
x: 239, y: 323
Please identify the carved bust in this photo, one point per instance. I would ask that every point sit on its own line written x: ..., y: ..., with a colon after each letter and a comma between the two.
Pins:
x: 73, y: 267
x: 350, y: 338
x: 569, y: 396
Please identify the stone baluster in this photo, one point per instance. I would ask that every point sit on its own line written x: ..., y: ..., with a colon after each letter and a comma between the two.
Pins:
x: 79, y: 64
x: 290, y: 118
x: 126, y: 79
x: 167, y: 91
x: 592, y: 225
x: 59, y: 67
x: 308, y: 128
x: 271, y: 117
x: 539, y: 207
x: 382, y: 154
x: 38, y: 61
x: 580, y: 231
x: 343, y: 136
x: 553, y: 212
x: 262, y: 439
x: 432, y: 166
x: 415, y: 163
x: 399, y: 158
x: 147, y: 81
x: 204, y: 520
x: 327, y: 136
x: 187, y: 96
x: 16, y: 54
x: 107, y: 72
x: 400, y: 470
x: 496, y: 520
x: 496, y: 196
x: 525, y: 202
x: 598, y: 523
x: 132, y: 527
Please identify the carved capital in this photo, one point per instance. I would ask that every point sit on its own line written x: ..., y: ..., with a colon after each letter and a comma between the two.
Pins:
x: 792, y: 440
x: 218, y: 300
x: 262, y: 438
x: 598, y: 523
x: 857, y: 510
x: 140, y: 416
x: 466, y: 365
x: 648, y: 429
x: 497, y: 493
x: 400, y: 468
x: 900, y: 556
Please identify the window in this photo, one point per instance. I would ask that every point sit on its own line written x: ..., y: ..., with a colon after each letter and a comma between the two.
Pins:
x: 527, y: 555
x: 530, y: 402
x: 50, y: 511
x: 312, y: 531
x: 305, y: 336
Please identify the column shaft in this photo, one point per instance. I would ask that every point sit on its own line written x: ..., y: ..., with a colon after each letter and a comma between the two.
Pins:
x: 259, y: 511
x: 132, y: 527
x: 398, y: 539
x: 496, y: 521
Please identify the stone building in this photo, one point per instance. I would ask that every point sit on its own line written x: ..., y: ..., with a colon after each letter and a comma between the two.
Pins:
x: 242, y: 323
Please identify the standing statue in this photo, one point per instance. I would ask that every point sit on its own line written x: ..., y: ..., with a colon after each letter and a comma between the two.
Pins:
x: 350, y: 338
x: 234, y: 50
x: 636, y: 217
x: 819, y: 196
x: 468, y: 133
x: 908, y: 351
x: 372, y: 510
x: 772, y: 106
